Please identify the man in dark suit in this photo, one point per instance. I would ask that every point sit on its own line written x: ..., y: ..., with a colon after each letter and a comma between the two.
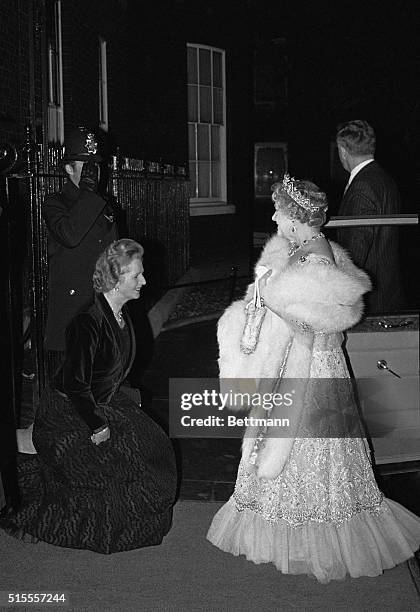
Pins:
x: 80, y: 226
x: 370, y: 191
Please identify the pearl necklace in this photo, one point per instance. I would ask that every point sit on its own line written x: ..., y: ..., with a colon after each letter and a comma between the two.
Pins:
x: 294, y: 246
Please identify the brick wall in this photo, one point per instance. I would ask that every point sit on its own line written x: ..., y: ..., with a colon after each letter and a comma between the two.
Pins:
x: 14, y: 69
x: 146, y: 77
x: 147, y: 96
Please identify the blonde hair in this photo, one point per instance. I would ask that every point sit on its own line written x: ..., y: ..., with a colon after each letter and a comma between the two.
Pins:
x: 113, y: 262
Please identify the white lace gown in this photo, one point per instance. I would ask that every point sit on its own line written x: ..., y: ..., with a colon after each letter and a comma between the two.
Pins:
x: 324, y: 514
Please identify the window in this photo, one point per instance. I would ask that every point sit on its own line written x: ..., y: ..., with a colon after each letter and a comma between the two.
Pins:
x: 103, y: 86
x: 207, y: 130
x: 270, y: 164
x: 55, y: 77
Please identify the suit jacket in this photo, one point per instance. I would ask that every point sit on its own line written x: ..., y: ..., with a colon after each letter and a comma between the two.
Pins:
x: 374, y: 248
x: 78, y: 232
x: 93, y: 367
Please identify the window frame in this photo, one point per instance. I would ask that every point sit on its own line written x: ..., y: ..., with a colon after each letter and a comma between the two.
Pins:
x: 55, y: 80
x: 212, y: 205
x: 103, y: 85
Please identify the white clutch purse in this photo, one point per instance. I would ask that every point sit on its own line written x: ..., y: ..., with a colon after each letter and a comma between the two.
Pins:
x: 255, y: 313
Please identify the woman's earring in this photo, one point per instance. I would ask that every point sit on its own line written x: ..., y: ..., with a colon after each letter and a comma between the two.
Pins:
x: 115, y: 289
x: 293, y: 229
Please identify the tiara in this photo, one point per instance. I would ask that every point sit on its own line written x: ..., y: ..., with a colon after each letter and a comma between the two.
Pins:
x: 288, y: 185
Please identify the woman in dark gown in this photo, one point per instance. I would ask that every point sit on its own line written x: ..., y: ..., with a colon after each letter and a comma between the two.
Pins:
x: 104, y: 478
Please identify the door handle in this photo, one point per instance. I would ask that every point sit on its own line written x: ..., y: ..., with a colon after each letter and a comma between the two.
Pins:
x: 382, y: 365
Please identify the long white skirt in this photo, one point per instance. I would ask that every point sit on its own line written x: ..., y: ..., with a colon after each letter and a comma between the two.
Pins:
x: 323, y: 515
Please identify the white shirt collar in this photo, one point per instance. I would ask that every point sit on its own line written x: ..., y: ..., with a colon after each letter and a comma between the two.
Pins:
x: 357, y: 169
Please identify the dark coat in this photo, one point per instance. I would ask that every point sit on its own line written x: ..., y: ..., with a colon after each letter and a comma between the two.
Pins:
x: 110, y: 497
x: 93, y: 367
x: 374, y: 248
x: 78, y: 232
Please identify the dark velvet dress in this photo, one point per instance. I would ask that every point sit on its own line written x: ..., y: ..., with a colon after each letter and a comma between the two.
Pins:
x: 110, y: 497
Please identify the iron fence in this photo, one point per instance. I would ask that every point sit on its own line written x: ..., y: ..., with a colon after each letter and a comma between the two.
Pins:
x: 155, y: 202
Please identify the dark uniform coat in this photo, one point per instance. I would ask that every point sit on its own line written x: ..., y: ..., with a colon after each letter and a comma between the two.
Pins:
x: 374, y: 248
x: 78, y: 232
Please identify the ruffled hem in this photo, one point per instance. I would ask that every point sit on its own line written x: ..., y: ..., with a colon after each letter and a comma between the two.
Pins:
x: 365, y: 545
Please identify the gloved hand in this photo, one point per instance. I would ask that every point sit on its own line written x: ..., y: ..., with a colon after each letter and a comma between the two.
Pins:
x: 109, y: 213
x: 101, y: 436
x: 89, y: 178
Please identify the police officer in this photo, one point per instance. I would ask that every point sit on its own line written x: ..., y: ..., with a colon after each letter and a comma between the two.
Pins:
x: 80, y: 226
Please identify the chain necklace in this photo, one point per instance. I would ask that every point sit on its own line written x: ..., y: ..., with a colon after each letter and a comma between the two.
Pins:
x: 118, y: 316
x: 294, y: 246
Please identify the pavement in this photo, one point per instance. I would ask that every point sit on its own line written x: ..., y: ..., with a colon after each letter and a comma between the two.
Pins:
x: 210, y: 284
x: 186, y: 347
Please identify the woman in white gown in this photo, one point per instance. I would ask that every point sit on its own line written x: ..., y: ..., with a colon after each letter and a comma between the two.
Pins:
x: 310, y: 505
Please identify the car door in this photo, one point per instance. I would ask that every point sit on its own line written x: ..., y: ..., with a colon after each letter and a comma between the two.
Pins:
x: 383, y: 351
